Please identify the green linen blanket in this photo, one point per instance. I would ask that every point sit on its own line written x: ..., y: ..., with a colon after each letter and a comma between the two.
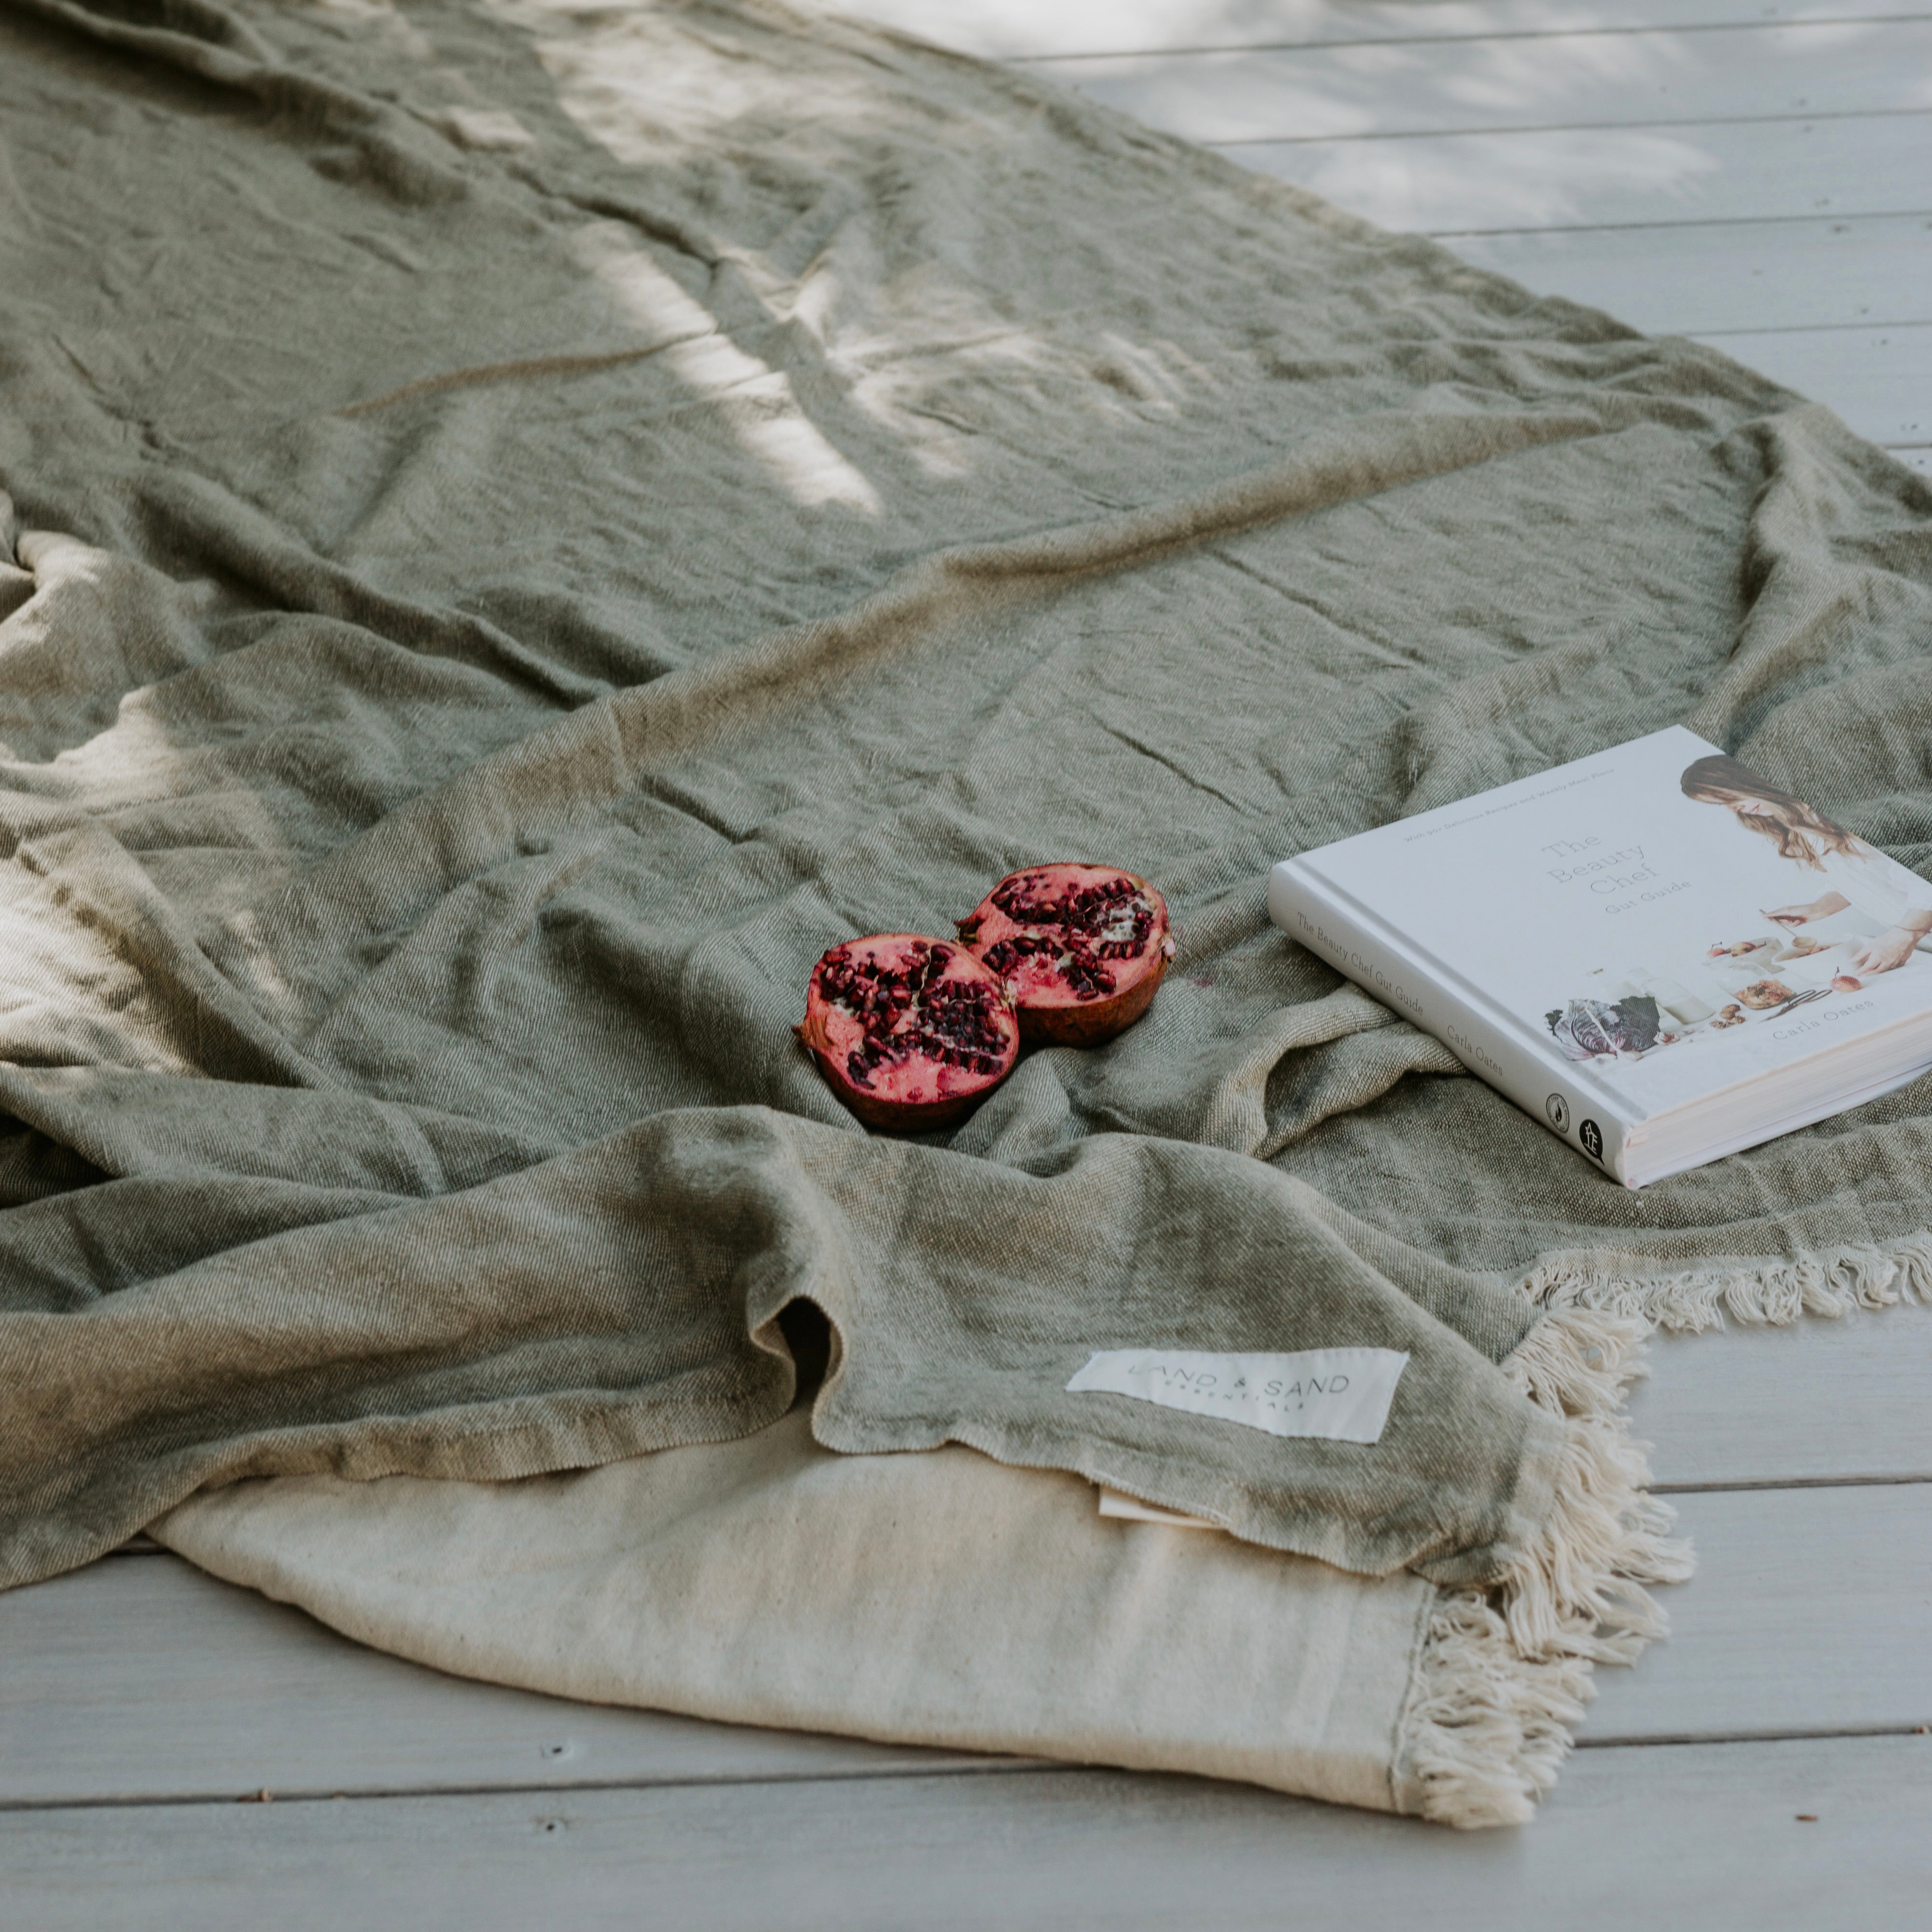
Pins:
x: 530, y: 520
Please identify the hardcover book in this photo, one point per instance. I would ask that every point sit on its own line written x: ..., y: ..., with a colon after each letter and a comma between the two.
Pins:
x: 1662, y: 954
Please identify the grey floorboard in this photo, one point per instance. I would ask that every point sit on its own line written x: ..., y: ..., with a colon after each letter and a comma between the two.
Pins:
x: 1595, y: 177
x: 1811, y: 1613
x: 1705, y: 1837
x: 1878, y: 379
x: 1706, y: 277
x: 1817, y: 1402
x: 144, y: 1678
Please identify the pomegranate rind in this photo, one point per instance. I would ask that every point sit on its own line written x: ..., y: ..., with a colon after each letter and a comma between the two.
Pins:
x: 914, y: 1063
x: 1052, y: 1009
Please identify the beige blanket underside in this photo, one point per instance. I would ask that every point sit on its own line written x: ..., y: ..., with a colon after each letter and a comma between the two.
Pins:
x: 937, y: 1599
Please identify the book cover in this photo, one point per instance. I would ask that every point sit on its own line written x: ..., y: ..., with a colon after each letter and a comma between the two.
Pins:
x: 1658, y: 921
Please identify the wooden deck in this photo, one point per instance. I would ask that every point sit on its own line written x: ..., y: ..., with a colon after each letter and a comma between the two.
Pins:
x: 1758, y: 176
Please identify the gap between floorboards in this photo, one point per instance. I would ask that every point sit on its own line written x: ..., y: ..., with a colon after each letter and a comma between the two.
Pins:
x: 1334, y: 136
x: 1675, y: 31
x: 1720, y: 1488
x: 1832, y: 217
x: 991, y: 1768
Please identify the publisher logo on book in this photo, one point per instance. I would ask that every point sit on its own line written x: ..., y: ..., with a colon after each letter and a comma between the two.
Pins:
x: 1592, y: 1135
x: 1558, y: 1110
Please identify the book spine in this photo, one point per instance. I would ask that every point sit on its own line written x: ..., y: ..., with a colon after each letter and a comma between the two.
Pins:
x: 1547, y: 1087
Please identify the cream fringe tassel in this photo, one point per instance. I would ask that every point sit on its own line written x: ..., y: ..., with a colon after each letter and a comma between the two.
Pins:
x: 1775, y: 1292
x: 1504, y: 1673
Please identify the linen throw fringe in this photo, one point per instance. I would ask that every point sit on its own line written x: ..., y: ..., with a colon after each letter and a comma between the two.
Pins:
x: 1504, y: 1675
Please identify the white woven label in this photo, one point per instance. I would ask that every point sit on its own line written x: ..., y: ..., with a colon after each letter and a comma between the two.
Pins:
x: 1342, y: 1395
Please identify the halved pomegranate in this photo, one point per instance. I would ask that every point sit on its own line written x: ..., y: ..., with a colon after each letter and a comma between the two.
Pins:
x: 910, y: 1033
x: 1082, y: 948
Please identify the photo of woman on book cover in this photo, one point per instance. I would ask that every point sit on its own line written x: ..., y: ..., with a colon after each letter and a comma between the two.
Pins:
x: 1858, y: 878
